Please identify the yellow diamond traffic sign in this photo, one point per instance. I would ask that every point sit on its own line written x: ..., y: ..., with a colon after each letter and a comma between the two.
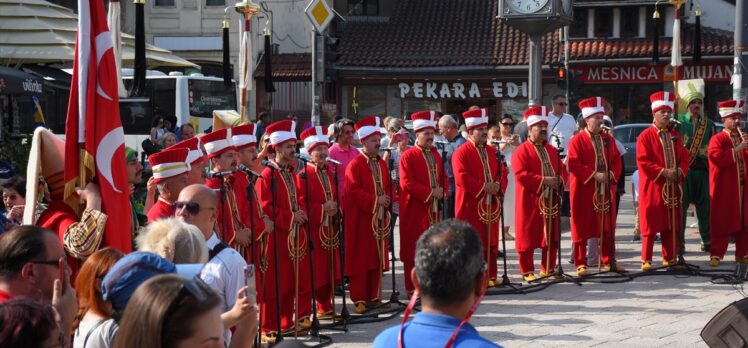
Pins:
x: 319, y: 14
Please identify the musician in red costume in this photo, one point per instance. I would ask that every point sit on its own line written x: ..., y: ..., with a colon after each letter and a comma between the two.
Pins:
x: 367, y: 218
x: 196, y: 159
x: 324, y: 214
x: 478, y: 186
x: 170, y: 170
x: 663, y: 163
x: 47, y: 160
x: 728, y: 174
x: 233, y: 208
x: 594, y: 166
x: 290, y: 242
x: 537, y: 198
x: 422, y: 187
x: 245, y: 143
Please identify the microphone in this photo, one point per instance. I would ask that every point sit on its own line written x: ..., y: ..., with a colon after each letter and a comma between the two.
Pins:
x: 304, y: 157
x: 248, y: 171
x: 672, y: 120
x: 269, y: 164
x: 497, y: 142
x: 606, y: 128
x: 220, y: 174
x: 333, y: 161
x: 389, y: 148
x: 443, y: 142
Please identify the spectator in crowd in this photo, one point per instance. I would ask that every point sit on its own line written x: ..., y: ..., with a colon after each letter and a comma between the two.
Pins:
x: 157, y: 129
x: 187, y: 131
x: 14, y: 199
x: 168, y: 139
x: 27, y: 323
x: 450, y: 275
x: 170, y: 311
x: 398, y: 144
x: 448, y: 128
x: 224, y: 271
x: 385, y: 141
x: 120, y: 283
x: 92, y: 309
x: 343, y: 150
x: 263, y: 119
x: 170, y: 126
x: 510, y: 143
x: 174, y: 240
x: 29, y: 266
x: 134, y: 178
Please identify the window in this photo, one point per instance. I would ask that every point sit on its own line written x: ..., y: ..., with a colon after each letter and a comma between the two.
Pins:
x: 164, y: 3
x: 604, y: 22
x: 629, y: 22
x: 363, y: 7
x: 578, y: 28
x: 215, y: 2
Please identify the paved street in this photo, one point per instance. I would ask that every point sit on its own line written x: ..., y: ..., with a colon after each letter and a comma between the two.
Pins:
x: 650, y: 311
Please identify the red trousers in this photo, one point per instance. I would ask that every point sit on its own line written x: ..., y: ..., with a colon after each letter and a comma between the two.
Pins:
x: 269, y: 313
x: 669, y: 248
x: 365, y: 286
x: 324, y: 298
x: 408, y: 268
x: 580, y: 250
x: 720, y: 241
x: 547, y: 262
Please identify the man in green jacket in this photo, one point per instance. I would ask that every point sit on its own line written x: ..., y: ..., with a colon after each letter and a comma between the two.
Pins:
x: 696, y: 130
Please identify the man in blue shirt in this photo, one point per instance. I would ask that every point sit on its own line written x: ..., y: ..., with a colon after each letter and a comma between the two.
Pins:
x: 448, y: 129
x: 450, y: 276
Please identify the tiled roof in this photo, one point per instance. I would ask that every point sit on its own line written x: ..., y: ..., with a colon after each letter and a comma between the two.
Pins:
x: 288, y: 66
x: 466, y: 33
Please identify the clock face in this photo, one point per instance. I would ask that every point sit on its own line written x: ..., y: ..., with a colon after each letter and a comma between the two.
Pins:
x: 527, y: 6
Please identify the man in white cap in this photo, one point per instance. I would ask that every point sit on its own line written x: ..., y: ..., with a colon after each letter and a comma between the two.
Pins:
x: 170, y: 170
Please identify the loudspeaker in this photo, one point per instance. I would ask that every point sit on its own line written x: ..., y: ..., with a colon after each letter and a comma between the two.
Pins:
x: 729, y: 328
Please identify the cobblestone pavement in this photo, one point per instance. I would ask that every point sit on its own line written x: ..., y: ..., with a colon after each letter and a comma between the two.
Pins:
x: 659, y: 310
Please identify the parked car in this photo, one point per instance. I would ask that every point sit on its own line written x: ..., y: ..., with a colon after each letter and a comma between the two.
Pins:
x: 627, y: 135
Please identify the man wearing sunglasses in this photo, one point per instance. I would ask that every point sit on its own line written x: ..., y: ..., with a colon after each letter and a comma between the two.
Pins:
x: 29, y: 266
x: 224, y: 271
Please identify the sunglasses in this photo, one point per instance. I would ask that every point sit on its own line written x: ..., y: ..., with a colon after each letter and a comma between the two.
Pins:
x: 47, y: 262
x: 508, y: 123
x: 195, y: 288
x: 192, y: 207
x: 562, y: 104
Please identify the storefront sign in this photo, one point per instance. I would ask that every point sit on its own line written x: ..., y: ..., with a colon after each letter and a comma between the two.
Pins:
x: 653, y: 74
x: 463, y: 90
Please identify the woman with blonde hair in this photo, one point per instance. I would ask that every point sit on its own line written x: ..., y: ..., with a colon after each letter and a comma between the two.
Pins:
x: 174, y: 240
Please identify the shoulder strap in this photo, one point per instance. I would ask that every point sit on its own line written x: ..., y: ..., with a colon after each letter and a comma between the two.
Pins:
x: 216, y: 250
x: 88, y: 335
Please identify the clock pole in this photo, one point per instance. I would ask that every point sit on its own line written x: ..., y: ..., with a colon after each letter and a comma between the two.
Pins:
x: 536, y: 70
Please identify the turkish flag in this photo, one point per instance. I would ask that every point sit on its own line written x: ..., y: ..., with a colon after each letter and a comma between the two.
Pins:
x: 94, y: 139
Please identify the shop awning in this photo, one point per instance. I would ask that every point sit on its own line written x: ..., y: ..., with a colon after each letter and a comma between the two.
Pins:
x: 39, y: 32
x: 14, y: 81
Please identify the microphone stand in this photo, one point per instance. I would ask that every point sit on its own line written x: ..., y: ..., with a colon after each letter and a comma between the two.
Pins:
x: 314, y: 331
x: 250, y: 199
x: 344, y: 314
x: 444, y: 181
x: 559, y: 267
x: 681, y: 263
x: 505, y: 277
x: 273, y: 189
x: 612, y: 249
x: 395, y: 296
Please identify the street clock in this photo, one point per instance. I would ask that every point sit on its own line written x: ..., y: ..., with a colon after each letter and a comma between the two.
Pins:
x: 536, y: 16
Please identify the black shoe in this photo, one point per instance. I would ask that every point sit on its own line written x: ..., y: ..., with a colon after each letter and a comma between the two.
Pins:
x: 706, y: 247
x: 637, y: 238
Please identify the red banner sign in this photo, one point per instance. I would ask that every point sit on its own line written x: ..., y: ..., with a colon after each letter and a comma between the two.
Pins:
x: 717, y: 72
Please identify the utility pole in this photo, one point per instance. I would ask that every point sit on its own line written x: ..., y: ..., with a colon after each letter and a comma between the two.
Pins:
x: 741, y: 51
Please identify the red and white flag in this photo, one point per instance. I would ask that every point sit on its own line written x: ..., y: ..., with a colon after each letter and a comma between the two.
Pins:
x: 94, y: 139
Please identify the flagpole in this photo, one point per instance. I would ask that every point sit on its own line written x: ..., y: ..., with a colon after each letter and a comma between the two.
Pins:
x: 247, y: 8
x: 675, y: 59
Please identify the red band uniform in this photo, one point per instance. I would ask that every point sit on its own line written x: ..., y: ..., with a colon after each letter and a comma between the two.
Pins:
x: 169, y: 164
x: 657, y: 150
x: 421, y: 170
x: 591, y: 203
x: 537, y: 206
x: 728, y: 173
x: 290, y: 240
x: 475, y: 166
x: 366, y: 223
